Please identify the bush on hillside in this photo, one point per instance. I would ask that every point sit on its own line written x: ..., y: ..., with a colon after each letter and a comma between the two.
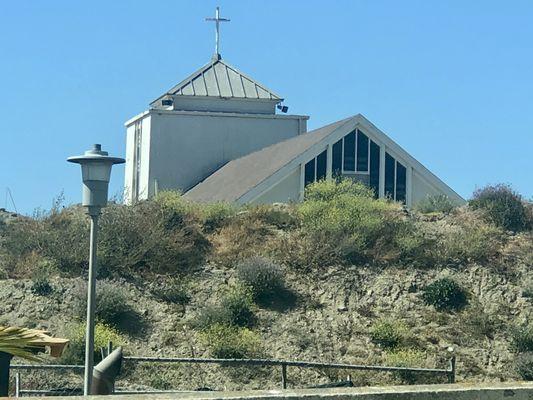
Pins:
x: 435, y: 204
x: 527, y: 290
x: 522, y: 339
x: 281, y: 216
x: 238, y: 301
x: 502, y: 206
x: 173, y: 291
x: 445, y: 295
x: 149, y: 237
x: 344, y: 218
x: 407, y: 358
x: 332, y: 190
x: 217, y: 215
x: 225, y: 341
x: 40, y: 280
x: 75, y: 350
x: 263, y: 276
x: 467, y: 239
x: 59, y: 236
x: 112, y: 306
x: 236, y: 308
x: 388, y: 334
x: 524, y: 366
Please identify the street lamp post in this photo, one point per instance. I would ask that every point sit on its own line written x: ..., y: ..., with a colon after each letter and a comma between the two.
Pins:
x: 96, y: 171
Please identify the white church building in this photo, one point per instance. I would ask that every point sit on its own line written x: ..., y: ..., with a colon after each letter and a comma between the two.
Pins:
x: 219, y: 135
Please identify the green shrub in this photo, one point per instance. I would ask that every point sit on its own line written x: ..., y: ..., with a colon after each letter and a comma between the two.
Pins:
x: 332, y: 190
x: 445, y: 294
x: 502, y: 206
x: 468, y: 239
x: 236, y: 308
x: 161, y: 236
x: 60, y: 236
x: 41, y: 286
x: 112, y: 306
x: 225, y: 341
x: 527, y: 290
x: 435, y: 204
x: 344, y: 219
x: 281, y: 216
x: 173, y: 291
x: 238, y: 301
x: 216, y: 215
x: 524, y: 366
x: 41, y: 278
x: 75, y: 350
x: 211, y: 315
x: 407, y: 358
x: 388, y: 334
x: 150, y: 237
x: 263, y: 276
x: 522, y: 339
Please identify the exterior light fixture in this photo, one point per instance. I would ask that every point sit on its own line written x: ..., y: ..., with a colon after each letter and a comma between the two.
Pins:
x: 282, y: 108
x: 96, y: 172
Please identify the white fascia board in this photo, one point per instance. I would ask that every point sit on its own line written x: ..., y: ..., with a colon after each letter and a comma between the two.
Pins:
x: 374, y: 134
x: 402, y: 155
x: 303, y: 158
x: 212, y: 114
x: 136, y: 118
x: 196, y: 97
x: 220, y: 114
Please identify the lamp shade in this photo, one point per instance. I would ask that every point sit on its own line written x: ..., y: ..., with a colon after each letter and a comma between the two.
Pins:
x: 95, y: 171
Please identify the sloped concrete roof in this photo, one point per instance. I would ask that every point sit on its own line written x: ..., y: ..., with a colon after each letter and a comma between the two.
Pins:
x: 219, y: 79
x: 236, y: 178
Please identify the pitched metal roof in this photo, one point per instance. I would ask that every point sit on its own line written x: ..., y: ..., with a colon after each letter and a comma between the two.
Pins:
x: 219, y: 79
x: 236, y: 178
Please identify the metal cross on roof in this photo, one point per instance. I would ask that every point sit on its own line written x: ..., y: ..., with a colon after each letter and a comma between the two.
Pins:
x: 217, y: 20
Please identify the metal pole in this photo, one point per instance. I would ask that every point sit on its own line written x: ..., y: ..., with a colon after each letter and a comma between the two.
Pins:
x: 284, y: 376
x: 17, y: 384
x: 451, y: 374
x: 91, y: 298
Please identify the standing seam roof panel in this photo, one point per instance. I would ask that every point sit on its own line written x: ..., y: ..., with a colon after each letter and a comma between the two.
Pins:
x: 218, y: 79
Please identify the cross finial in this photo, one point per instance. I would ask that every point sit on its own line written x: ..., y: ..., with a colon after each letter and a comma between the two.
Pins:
x: 217, y: 20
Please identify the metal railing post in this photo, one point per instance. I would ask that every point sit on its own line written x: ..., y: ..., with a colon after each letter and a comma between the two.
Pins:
x: 284, y: 376
x: 17, y: 384
x: 451, y: 373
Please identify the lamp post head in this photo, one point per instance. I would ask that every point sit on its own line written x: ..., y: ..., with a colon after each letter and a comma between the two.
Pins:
x: 95, y: 170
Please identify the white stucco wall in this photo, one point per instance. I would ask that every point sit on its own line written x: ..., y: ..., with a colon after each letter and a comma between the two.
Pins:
x: 285, y: 191
x: 130, y: 169
x: 422, y: 189
x: 182, y: 148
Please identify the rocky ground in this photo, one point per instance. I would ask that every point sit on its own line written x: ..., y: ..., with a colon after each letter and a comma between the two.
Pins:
x: 328, y: 318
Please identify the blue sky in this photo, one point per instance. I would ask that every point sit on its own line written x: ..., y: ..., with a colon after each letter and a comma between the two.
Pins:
x: 450, y: 81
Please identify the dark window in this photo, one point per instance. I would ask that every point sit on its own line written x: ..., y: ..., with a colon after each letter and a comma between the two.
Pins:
x: 400, y: 182
x: 374, y: 168
x: 349, y: 152
x: 362, y: 152
x: 321, y: 162
x: 337, y: 158
x: 389, y: 176
x: 310, y: 172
